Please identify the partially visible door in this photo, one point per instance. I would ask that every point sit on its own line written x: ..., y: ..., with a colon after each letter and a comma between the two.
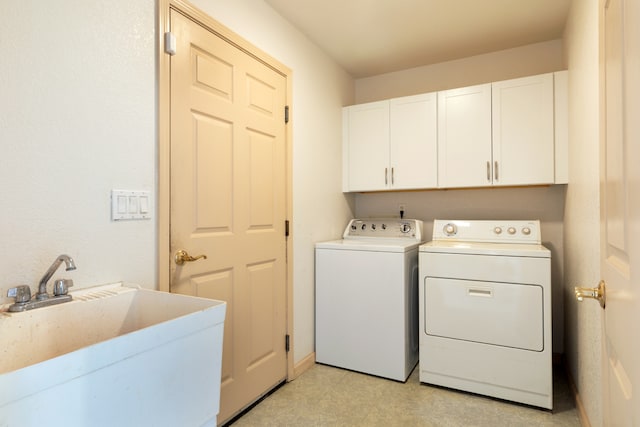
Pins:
x: 228, y: 202
x: 620, y: 212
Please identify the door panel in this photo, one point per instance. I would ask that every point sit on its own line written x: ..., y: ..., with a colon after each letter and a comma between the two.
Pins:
x: 477, y: 311
x: 228, y: 202
x: 620, y: 212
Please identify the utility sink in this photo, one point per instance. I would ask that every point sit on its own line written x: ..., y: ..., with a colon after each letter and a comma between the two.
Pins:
x: 114, y: 355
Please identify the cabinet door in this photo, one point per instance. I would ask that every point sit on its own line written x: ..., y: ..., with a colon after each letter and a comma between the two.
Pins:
x: 523, y: 132
x: 464, y: 137
x: 413, y: 142
x: 366, y: 147
x: 561, y: 121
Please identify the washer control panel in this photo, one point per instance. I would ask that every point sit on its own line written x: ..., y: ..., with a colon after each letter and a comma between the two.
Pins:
x: 390, y: 228
x: 498, y: 231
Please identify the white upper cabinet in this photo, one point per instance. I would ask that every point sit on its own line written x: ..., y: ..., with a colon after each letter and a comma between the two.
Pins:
x: 464, y: 137
x: 497, y: 134
x: 365, y: 146
x: 413, y: 142
x: 561, y: 109
x: 523, y: 131
x: 507, y: 133
x: 391, y: 145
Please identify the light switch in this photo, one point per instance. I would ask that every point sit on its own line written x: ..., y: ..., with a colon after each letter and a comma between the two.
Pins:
x: 130, y: 204
x: 122, y: 204
x: 133, y: 204
x: 144, y: 204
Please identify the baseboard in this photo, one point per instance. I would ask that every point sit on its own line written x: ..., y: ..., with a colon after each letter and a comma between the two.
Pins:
x: 582, y: 414
x: 304, y: 365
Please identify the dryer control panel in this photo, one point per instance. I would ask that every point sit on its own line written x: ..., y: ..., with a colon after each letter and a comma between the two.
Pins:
x: 389, y: 228
x: 489, y: 231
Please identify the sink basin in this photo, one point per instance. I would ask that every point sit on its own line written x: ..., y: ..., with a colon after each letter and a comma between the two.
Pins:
x: 115, y: 355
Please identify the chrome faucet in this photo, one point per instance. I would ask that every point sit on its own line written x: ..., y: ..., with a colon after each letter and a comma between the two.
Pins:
x: 42, y: 288
x: 22, y: 293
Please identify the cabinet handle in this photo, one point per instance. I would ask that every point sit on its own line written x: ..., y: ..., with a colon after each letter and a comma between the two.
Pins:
x: 488, y: 171
x: 386, y: 181
x: 392, y: 177
x: 495, y: 172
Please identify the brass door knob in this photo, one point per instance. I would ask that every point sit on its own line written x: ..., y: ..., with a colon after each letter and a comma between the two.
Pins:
x: 599, y: 293
x: 182, y: 256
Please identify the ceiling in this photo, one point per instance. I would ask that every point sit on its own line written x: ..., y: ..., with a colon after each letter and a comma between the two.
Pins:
x: 370, y: 37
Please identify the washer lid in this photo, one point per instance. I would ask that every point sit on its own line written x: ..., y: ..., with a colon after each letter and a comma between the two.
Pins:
x: 373, y: 244
x: 484, y: 248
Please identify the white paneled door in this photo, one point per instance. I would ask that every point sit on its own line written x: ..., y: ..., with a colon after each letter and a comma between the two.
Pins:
x: 228, y: 202
x: 620, y: 212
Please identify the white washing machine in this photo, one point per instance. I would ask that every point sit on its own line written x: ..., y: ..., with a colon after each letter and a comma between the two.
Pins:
x: 485, y: 310
x: 367, y: 298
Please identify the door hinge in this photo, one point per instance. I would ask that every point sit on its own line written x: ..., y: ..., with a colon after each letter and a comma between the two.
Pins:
x: 287, y: 345
x: 286, y: 228
x: 286, y: 114
x: 169, y: 43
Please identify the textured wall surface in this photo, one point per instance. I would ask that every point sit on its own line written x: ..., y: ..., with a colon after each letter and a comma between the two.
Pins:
x: 582, y: 212
x: 77, y: 119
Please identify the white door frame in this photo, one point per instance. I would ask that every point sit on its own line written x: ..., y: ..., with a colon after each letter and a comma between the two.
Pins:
x: 164, y: 183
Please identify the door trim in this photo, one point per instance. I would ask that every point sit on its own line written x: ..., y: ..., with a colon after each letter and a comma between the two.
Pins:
x: 164, y: 154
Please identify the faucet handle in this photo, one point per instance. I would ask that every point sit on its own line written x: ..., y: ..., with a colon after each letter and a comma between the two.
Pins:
x: 61, y: 286
x: 21, y: 293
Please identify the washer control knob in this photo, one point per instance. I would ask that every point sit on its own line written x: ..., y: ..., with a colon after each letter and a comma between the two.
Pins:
x: 511, y: 230
x: 450, y: 229
x: 526, y: 231
x: 405, y: 227
x: 384, y: 226
x: 364, y: 226
x: 497, y: 230
x: 354, y: 227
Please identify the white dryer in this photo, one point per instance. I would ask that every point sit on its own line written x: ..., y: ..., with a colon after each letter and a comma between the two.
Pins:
x: 485, y: 310
x: 367, y: 298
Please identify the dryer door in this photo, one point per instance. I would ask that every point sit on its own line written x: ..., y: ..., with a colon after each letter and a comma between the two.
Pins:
x: 501, y: 314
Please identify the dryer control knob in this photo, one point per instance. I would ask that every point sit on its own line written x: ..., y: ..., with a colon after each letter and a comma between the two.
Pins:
x: 497, y: 230
x: 450, y: 229
x: 526, y: 231
x: 511, y: 230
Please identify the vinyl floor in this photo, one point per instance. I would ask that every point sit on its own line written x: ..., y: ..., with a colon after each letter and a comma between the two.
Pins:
x: 328, y: 396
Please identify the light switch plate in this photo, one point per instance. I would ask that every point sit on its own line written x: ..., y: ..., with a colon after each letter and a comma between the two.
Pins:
x: 130, y: 204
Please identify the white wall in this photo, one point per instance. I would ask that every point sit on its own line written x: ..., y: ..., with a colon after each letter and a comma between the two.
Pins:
x: 506, y: 64
x: 582, y: 221
x: 77, y: 119
x: 544, y: 203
